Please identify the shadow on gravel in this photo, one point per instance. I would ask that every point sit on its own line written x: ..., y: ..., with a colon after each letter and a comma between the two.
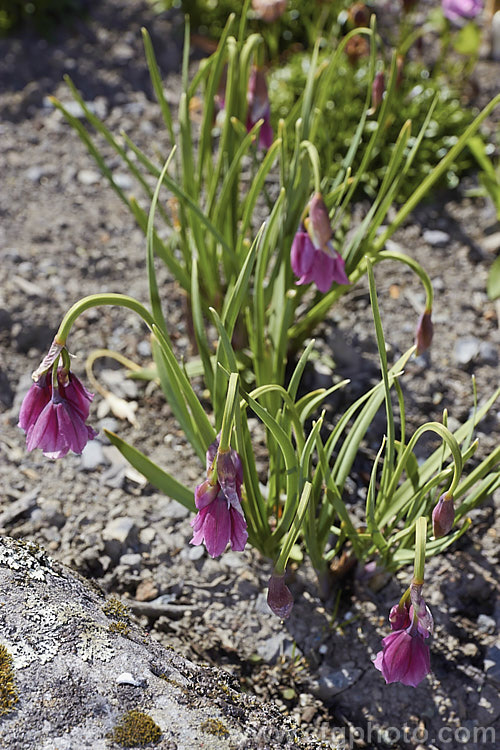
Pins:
x: 102, y: 52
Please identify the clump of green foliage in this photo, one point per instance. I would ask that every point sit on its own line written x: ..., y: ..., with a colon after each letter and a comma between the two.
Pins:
x: 8, y: 692
x: 344, y: 109
x: 136, y: 729
x: 215, y: 727
x: 43, y: 14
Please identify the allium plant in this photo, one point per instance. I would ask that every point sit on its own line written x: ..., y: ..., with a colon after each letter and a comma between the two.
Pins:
x: 226, y: 175
x: 250, y: 318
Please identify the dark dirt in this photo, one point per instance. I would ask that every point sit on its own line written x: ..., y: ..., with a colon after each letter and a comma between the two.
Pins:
x: 65, y: 234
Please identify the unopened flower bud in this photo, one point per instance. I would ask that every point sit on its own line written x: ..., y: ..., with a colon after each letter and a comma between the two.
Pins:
x: 378, y: 88
x: 319, y: 221
x: 359, y: 15
x: 279, y: 597
x: 423, y: 335
x: 443, y: 516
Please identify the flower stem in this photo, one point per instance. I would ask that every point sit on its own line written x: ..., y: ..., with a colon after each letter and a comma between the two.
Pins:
x: 420, y: 537
x: 416, y: 267
x: 228, y: 416
x: 95, y: 300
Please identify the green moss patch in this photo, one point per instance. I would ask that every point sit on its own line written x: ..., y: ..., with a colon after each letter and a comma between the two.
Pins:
x: 136, y: 729
x: 8, y: 692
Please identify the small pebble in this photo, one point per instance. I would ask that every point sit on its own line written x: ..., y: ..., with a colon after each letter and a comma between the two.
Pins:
x: 436, y: 237
x: 88, y: 177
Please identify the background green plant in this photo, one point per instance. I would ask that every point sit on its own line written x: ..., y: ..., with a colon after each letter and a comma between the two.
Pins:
x: 344, y: 108
x: 43, y: 14
x: 298, y: 26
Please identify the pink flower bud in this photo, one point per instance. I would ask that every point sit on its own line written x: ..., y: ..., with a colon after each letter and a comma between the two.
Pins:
x: 443, y: 516
x: 378, y: 88
x: 319, y: 227
x: 279, y: 597
x: 423, y: 335
x: 259, y: 108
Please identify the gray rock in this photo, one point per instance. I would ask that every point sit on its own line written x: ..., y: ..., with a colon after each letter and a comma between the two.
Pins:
x: 174, y: 511
x: 119, y: 535
x: 131, y: 560
x: 34, y: 173
x: 93, y: 456
x: 486, y: 624
x: 436, y: 237
x: 75, y: 674
x: 488, y: 352
x: 492, y: 663
x: 144, y: 348
x: 88, y: 177
x: 274, y: 646
x: 333, y: 681
x: 195, y: 553
x: 127, y: 678
x: 466, y: 350
x: 123, y: 180
x: 24, y: 505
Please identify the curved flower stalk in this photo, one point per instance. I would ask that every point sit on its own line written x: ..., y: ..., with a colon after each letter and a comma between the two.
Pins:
x: 313, y: 257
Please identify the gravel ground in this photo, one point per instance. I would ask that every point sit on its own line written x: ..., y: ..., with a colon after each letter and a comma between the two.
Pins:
x: 64, y: 234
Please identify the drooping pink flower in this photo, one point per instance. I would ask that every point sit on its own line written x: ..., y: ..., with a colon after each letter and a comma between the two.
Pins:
x: 312, y: 256
x: 443, y: 516
x: 457, y: 10
x: 424, y: 332
x: 405, y: 655
x: 34, y: 402
x: 54, y: 418
x: 220, y: 519
x: 259, y: 108
x: 279, y: 596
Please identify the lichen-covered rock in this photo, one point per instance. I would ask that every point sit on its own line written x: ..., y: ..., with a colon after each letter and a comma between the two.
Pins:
x: 84, y: 675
